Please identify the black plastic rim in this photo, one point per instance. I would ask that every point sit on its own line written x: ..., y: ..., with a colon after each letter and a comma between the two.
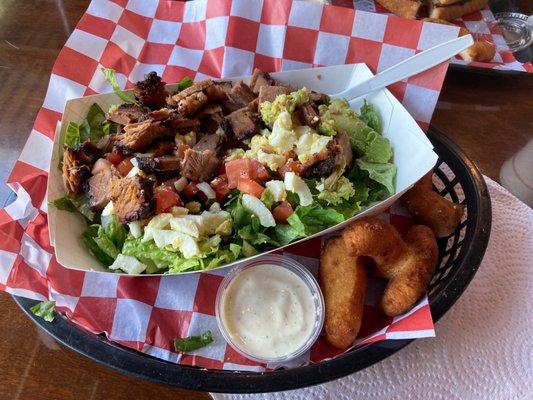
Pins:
x: 137, y: 364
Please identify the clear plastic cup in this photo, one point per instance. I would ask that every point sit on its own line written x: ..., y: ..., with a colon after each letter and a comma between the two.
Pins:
x: 304, y: 275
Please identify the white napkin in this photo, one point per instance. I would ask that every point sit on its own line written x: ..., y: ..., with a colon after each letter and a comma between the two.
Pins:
x: 484, y: 344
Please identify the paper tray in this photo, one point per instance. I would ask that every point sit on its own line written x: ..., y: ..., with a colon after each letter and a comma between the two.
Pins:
x: 413, y: 155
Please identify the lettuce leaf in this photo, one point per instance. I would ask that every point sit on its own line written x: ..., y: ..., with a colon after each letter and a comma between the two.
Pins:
x: 113, y: 230
x: 173, y: 262
x: 191, y: 343
x: 306, y: 221
x: 111, y: 77
x: 184, y: 83
x: 45, y: 310
x: 370, y: 116
x: 381, y: 173
x: 92, y: 128
x: 88, y: 238
x: 75, y: 204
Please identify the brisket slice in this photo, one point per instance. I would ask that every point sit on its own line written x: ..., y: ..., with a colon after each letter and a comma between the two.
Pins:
x: 244, y: 123
x: 190, y: 100
x: 132, y: 198
x: 324, y: 167
x: 77, y: 166
x: 98, y: 186
x: 199, y: 166
x: 309, y: 115
x: 241, y: 94
x: 318, y: 98
x: 151, y: 164
x: 259, y: 79
x: 126, y: 114
x: 151, y: 91
x: 139, y: 136
x: 209, y: 142
x: 269, y: 93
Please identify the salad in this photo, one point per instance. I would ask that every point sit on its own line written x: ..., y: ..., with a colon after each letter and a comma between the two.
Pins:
x: 217, y: 171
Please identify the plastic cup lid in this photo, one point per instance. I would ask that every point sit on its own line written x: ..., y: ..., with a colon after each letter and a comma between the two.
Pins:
x: 516, y: 29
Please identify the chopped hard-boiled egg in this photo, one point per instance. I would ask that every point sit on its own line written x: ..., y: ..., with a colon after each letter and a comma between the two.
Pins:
x: 297, y: 185
x: 128, y: 264
x: 277, y: 188
x: 256, y: 207
x: 283, y: 137
x: 310, y: 143
x: 186, y: 245
x: 272, y: 161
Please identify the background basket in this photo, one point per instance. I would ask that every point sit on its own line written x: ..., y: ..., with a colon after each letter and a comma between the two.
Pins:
x: 455, y: 177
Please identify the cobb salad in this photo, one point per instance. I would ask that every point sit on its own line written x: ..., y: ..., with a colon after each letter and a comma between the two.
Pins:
x: 217, y: 171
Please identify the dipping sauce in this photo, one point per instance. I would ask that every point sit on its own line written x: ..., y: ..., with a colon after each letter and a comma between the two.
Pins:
x: 268, y: 311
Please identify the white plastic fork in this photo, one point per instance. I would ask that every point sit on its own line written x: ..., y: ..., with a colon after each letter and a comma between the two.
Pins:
x: 413, y: 65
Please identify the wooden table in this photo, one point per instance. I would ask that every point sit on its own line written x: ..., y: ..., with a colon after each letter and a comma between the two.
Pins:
x: 489, y: 117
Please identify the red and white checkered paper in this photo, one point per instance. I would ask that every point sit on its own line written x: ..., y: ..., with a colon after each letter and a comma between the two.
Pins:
x: 217, y: 38
x: 481, y: 23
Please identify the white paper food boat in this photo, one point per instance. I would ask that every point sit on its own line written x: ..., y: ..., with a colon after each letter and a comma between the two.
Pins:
x: 413, y: 155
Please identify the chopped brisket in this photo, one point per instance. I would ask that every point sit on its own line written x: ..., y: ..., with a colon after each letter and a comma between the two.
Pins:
x: 210, y: 118
x: 181, y: 124
x: 309, y: 115
x: 259, y: 79
x: 105, y: 144
x: 209, y: 142
x: 190, y: 104
x: 98, y: 186
x: 190, y: 100
x: 132, y: 198
x: 269, y: 93
x: 318, y: 98
x: 244, y: 123
x: 126, y: 114
x: 77, y: 166
x: 199, y: 166
x: 241, y: 94
x: 151, y: 92
x: 160, y: 115
x: 324, y: 167
x: 218, y: 90
x: 151, y: 164
x: 139, y: 136
x: 162, y: 148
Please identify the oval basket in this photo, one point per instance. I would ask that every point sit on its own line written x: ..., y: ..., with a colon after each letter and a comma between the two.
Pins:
x: 455, y: 177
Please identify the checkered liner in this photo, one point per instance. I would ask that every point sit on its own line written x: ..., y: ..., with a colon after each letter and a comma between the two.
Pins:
x: 481, y: 23
x: 197, y: 39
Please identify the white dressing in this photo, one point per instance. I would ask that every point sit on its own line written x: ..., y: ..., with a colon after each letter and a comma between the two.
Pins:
x: 268, y: 311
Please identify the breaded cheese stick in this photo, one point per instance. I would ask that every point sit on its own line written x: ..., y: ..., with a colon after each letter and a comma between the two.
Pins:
x: 343, y: 282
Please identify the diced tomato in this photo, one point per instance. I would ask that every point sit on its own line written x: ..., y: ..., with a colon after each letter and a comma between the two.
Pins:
x: 249, y: 186
x: 237, y: 168
x: 282, y: 212
x: 259, y: 172
x: 220, y: 186
x: 165, y: 199
x: 115, y: 158
x: 291, y: 165
x: 190, y: 190
x: 125, y: 166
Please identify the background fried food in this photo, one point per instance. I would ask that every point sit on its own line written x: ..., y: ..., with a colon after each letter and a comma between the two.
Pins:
x: 343, y: 283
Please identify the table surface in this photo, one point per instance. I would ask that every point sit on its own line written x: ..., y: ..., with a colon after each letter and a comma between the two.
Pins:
x: 488, y: 116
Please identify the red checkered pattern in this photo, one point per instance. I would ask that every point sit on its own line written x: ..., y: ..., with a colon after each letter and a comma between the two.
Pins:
x: 217, y: 38
x: 481, y: 23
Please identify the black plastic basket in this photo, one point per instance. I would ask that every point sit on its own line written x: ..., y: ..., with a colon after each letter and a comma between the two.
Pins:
x: 456, y: 177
